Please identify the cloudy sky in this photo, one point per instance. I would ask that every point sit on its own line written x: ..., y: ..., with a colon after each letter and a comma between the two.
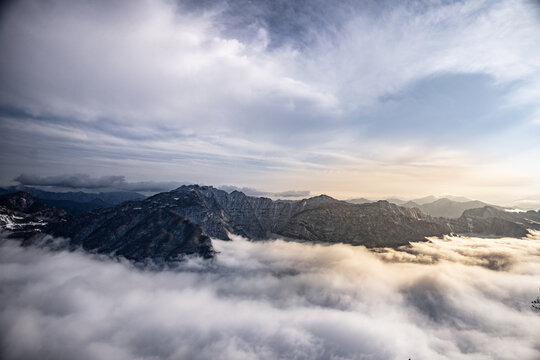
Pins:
x: 349, y: 98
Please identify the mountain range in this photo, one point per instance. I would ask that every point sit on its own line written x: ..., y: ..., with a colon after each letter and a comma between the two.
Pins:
x: 450, y: 207
x: 447, y: 208
x: 170, y: 225
x: 76, y: 203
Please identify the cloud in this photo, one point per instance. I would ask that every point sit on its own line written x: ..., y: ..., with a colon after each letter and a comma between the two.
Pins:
x: 254, y: 192
x: 313, y: 94
x: 117, y: 182
x: 495, y: 254
x: 274, y: 299
x: 173, y: 68
x: 83, y: 181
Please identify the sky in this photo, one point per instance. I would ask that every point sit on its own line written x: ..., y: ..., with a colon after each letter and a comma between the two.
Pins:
x: 347, y: 98
x: 452, y: 298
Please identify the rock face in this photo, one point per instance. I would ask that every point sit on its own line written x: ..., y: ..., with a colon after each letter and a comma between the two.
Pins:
x: 318, y: 219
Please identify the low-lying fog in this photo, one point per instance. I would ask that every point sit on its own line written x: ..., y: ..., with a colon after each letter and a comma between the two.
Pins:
x: 452, y: 298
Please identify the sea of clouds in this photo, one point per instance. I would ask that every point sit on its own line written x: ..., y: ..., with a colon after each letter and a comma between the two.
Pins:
x: 451, y: 298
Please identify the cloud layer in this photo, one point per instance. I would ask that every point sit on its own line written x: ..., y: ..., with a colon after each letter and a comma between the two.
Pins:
x: 276, y: 299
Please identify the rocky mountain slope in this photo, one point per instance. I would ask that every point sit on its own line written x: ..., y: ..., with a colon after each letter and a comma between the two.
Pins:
x: 318, y: 219
x: 170, y: 225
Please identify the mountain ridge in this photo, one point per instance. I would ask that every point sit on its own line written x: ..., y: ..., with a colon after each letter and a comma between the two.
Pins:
x: 171, y: 225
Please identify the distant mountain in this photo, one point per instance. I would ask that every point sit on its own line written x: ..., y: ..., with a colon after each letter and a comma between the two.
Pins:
x: 427, y: 200
x: 77, y: 203
x: 445, y: 207
x: 396, y: 201
x: 359, y: 201
x: 410, y: 204
x: 456, y: 198
x: 424, y: 200
x: 419, y: 201
x: 450, y: 209
x: 493, y: 221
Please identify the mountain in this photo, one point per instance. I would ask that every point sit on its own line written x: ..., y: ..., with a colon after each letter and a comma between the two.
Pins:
x: 379, y: 224
x: 317, y: 219
x: 170, y: 225
x: 445, y: 207
x: 456, y: 198
x: 396, y: 201
x: 410, y: 204
x: 425, y: 200
x: 77, y: 208
x: 414, y: 202
x: 493, y: 221
x: 24, y: 216
x: 359, y: 201
x: 156, y: 234
x: 449, y: 208
x: 136, y: 231
x: 76, y: 203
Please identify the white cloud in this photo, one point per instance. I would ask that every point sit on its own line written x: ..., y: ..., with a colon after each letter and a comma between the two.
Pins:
x: 276, y: 299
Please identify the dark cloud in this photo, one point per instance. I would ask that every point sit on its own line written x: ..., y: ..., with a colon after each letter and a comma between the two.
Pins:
x: 84, y: 181
x: 254, y: 192
x: 270, y: 300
